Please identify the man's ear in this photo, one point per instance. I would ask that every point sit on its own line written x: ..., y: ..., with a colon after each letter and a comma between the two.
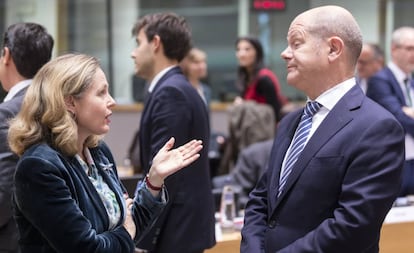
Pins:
x: 5, y: 55
x: 336, y: 47
x: 156, y: 42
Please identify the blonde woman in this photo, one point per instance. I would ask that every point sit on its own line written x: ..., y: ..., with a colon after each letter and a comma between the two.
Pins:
x: 194, y: 66
x: 68, y: 196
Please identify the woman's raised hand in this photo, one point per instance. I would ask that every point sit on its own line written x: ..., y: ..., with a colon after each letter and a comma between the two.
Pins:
x: 168, y: 161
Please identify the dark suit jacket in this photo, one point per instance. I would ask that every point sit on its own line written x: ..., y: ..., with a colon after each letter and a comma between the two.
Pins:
x: 175, y: 109
x: 384, y: 89
x: 251, y: 165
x: 8, y: 161
x: 58, y: 209
x: 340, y: 189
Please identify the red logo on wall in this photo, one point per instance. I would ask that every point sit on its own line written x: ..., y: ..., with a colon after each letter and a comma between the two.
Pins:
x: 269, y: 5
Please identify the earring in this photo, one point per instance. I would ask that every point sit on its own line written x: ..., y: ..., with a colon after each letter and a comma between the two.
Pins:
x: 73, y: 115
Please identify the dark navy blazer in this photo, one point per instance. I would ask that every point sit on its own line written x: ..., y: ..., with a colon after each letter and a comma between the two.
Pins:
x: 59, y: 210
x: 8, y: 162
x: 384, y: 89
x: 340, y: 189
x: 175, y: 109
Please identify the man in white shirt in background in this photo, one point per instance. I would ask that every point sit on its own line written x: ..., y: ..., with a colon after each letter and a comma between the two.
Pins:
x: 392, y: 87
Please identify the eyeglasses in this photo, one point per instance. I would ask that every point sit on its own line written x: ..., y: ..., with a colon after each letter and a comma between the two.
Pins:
x: 366, y: 62
x: 406, y: 48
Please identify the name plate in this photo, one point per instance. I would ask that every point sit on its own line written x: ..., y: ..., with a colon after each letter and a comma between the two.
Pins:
x: 400, y: 214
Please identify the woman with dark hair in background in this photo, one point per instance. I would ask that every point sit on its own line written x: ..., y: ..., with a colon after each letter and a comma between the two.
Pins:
x: 255, y: 81
x: 255, y: 114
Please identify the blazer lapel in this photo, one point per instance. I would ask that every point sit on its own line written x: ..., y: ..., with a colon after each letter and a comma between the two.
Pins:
x: 90, y: 190
x: 337, y: 118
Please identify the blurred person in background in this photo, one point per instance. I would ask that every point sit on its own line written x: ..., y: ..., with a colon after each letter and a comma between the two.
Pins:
x: 194, y: 67
x: 393, y: 88
x: 249, y: 118
x: 26, y: 48
x: 250, y: 166
x: 370, y: 61
x: 254, y: 80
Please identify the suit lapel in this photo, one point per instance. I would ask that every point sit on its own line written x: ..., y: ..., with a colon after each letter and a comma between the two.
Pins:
x: 396, y: 84
x: 336, y: 119
x: 158, y: 86
x: 276, y: 158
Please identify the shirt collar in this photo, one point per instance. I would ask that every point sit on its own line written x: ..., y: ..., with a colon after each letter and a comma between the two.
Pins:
x: 398, y: 73
x: 16, y: 88
x: 330, y: 97
x: 157, y: 77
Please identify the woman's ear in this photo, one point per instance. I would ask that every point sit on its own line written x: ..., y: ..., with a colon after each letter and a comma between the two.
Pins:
x: 70, y: 104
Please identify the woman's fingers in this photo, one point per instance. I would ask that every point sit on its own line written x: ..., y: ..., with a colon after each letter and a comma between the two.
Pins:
x: 129, y: 202
x: 190, y: 149
x: 190, y: 160
x: 168, y: 145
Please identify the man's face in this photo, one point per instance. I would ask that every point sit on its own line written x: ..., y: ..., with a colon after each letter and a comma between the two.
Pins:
x: 143, y: 56
x: 403, y: 54
x: 305, y: 57
x: 367, y: 64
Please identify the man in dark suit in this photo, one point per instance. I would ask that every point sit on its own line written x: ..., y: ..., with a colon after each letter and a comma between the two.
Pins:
x: 392, y: 88
x: 26, y: 48
x: 173, y: 108
x: 370, y: 61
x: 327, y: 189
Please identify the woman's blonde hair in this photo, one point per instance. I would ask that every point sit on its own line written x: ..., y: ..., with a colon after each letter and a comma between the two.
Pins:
x: 44, y: 116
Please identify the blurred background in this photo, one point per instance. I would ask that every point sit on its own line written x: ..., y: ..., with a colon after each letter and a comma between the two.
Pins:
x: 102, y: 28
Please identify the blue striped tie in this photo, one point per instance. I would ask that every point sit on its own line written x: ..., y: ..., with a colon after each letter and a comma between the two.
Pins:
x: 299, y: 140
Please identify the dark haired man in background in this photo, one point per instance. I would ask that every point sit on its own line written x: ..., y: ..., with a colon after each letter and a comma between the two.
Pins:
x: 173, y: 108
x: 26, y: 48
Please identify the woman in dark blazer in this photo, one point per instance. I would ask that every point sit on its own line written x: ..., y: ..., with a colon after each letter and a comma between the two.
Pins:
x: 68, y: 197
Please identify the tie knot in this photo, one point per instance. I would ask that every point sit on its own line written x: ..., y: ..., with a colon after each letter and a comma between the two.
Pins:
x: 311, y: 108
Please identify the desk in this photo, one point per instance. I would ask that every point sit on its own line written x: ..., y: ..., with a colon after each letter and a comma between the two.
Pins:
x: 397, y: 237
x: 229, y: 243
x: 396, y: 234
x: 398, y: 230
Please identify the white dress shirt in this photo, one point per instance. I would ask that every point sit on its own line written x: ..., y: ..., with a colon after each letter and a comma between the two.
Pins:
x: 401, y: 76
x: 328, y: 100
x: 16, y: 88
x: 157, y: 77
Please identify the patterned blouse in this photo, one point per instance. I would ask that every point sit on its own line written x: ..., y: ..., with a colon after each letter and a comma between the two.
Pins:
x: 107, y: 195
